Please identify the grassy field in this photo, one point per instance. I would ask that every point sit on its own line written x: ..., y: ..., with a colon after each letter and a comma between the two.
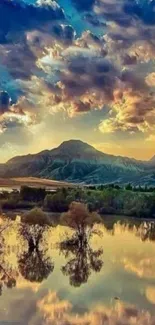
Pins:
x: 32, y: 181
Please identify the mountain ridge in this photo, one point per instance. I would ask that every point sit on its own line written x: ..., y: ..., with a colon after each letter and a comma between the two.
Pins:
x: 77, y: 161
x: 74, y: 141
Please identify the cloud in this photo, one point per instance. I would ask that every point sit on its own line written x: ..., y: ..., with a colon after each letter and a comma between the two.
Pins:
x: 16, y: 115
x: 142, y: 267
x: 96, y: 80
x: 124, y: 11
x: 150, y: 294
x: 150, y: 138
x: 58, y: 71
x: 133, y: 108
x: 60, y: 312
x: 150, y: 79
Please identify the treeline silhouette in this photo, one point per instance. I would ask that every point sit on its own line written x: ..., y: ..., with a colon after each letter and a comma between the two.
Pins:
x: 109, y: 199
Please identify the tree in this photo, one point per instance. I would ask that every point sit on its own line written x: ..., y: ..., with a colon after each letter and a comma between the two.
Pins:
x: 56, y: 202
x: 128, y: 187
x: 81, y: 220
x: 33, y: 225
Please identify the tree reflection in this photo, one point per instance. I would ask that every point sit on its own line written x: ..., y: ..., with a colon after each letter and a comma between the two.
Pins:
x: 83, y: 260
x: 147, y: 231
x: 34, y: 266
x: 7, y: 274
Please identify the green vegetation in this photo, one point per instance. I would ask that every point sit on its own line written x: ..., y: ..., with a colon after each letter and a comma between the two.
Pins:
x: 110, y: 199
x: 81, y: 220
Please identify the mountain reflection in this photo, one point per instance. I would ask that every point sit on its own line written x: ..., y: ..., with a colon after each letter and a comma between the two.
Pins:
x: 83, y: 260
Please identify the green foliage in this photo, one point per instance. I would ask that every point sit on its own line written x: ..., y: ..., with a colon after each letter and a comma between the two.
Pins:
x: 128, y: 187
x: 105, y: 199
x: 56, y: 202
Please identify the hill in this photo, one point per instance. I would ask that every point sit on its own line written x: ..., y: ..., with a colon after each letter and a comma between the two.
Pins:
x: 76, y: 161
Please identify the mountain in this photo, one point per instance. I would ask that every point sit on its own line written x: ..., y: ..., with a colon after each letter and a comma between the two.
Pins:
x: 76, y: 161
x: 152, y: 160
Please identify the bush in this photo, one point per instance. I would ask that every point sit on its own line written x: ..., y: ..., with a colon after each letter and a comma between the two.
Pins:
x: 36, y: 217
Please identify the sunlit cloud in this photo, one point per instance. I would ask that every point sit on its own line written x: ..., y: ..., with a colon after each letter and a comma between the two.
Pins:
x: 150, y: 294
x: 54, y: 66
x: 60, y: 312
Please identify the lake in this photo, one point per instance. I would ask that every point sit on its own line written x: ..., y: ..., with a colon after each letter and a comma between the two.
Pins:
x: 111, y: 283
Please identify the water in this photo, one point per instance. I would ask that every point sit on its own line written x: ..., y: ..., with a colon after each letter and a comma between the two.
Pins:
x: 60, y: 287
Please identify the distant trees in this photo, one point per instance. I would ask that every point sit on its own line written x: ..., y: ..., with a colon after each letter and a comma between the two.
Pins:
x: 32, y: 194
x: 128, y: 187
x: 56, y: 202
x: 105, y: 199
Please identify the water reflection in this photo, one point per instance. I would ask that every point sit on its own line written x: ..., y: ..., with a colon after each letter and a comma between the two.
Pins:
x: 7, y: 275
x: 82, y: 260
x: 43, y: 278
x: 147, y: 231
x: 34, y: 266
x: 33, y: 262
x: 59, y: 312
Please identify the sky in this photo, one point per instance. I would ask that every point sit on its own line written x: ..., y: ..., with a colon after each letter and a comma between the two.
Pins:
x: 77, y: 69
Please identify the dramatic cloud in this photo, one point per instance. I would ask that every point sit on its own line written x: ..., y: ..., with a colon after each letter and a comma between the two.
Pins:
x: 52, y: 64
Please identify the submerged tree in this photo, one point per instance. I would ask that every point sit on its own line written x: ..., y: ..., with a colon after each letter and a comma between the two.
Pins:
x: 82, y: 221
x: 34, y: 223
x: 34, y: 266
x: 83, y: 261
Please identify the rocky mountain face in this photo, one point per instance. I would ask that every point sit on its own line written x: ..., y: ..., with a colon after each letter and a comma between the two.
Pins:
x: 76, y: 161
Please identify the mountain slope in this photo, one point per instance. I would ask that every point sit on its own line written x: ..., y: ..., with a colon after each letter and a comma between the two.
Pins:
x: 76, y: 161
